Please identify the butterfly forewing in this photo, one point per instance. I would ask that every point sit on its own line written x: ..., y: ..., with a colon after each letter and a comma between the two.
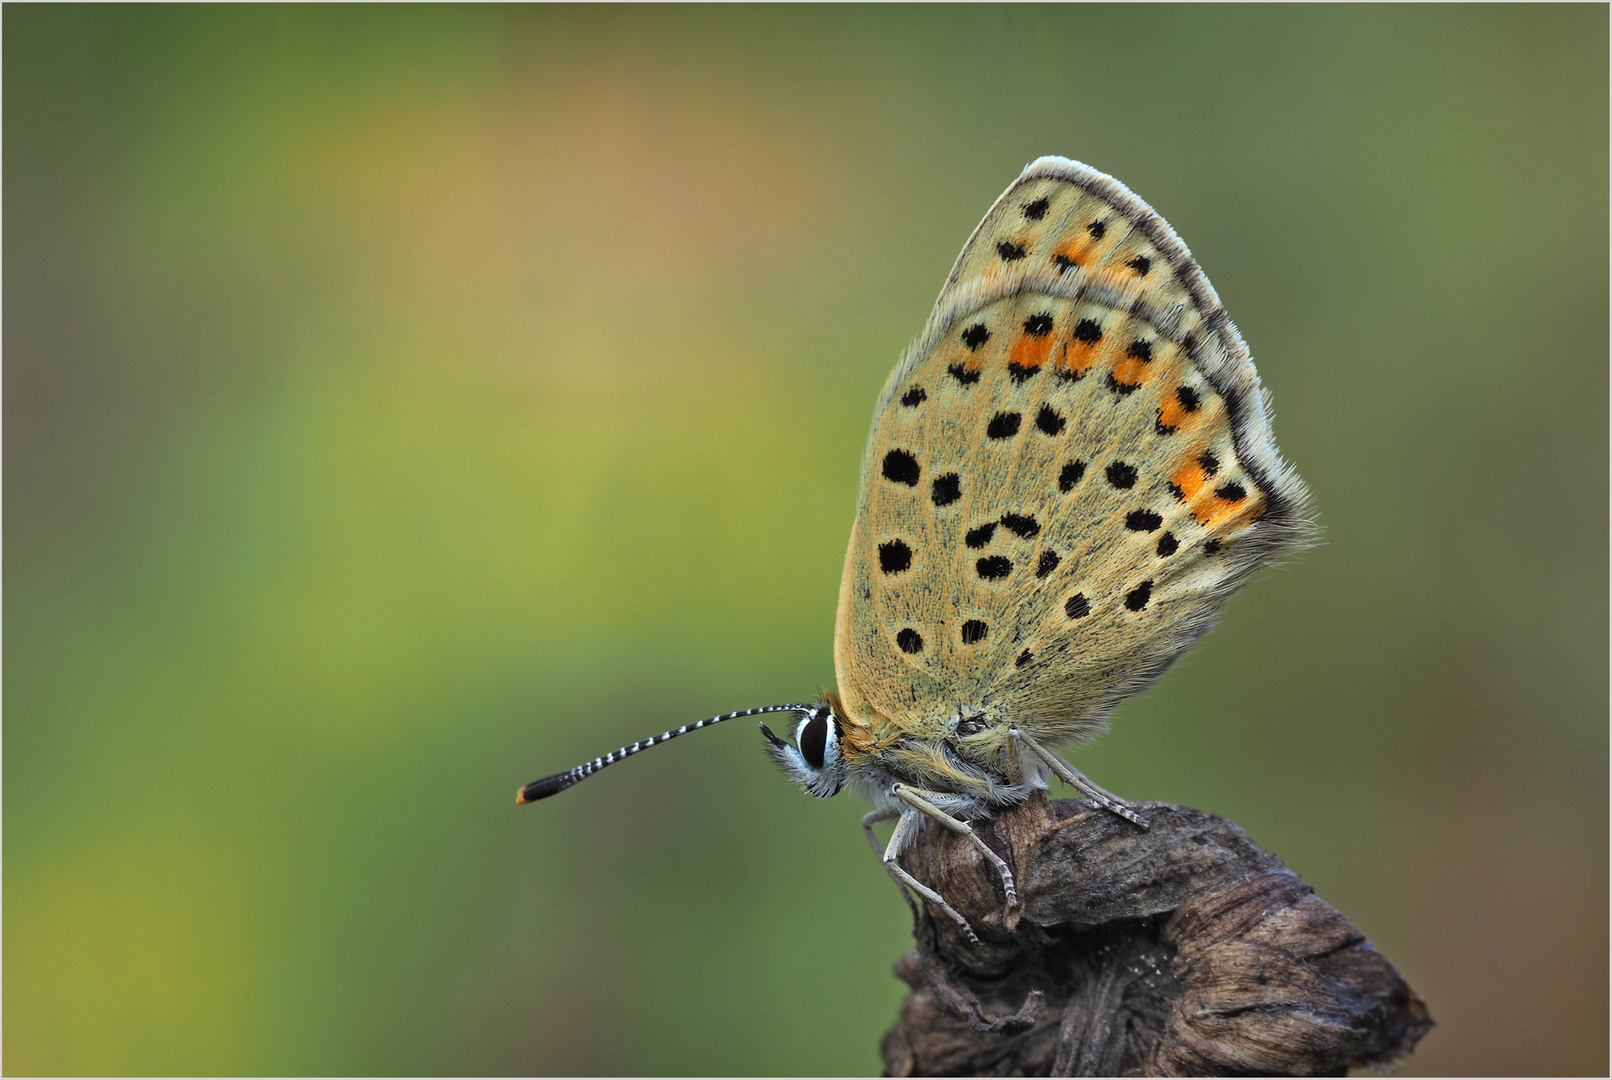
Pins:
x: 1055, y: 224
x: 1067, y: 474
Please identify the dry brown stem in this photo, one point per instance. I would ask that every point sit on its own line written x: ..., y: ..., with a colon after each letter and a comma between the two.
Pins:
x: 1182, y: 950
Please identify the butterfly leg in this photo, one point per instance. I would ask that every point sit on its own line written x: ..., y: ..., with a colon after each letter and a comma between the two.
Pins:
x: 873, y: 817
x: 928, y: 809
x: 898, y: 840
x: 1076, y: 779
x: 868, y: 821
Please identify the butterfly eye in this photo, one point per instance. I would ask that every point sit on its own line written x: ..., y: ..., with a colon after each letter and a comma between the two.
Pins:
x: 812, y: 738
x: 971, y: 725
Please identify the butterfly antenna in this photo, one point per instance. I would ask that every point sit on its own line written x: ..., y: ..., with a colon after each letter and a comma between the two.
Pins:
x: 553, y: 785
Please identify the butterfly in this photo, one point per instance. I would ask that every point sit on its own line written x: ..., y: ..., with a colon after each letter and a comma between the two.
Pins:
x: 1070, y: 470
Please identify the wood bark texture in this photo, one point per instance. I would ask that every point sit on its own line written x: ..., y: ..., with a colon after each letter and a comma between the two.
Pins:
x: 1181, y: 950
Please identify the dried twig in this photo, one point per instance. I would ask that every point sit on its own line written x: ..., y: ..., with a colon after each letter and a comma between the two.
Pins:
x: 1182, y: 950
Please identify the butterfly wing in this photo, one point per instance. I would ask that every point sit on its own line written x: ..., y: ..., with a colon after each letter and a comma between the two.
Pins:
x: 1069, y: 471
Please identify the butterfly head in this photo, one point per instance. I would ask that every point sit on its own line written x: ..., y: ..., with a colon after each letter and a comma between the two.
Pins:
x: 814, y: 760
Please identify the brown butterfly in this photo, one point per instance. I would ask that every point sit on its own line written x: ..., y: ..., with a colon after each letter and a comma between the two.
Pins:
x: 1069, y: 472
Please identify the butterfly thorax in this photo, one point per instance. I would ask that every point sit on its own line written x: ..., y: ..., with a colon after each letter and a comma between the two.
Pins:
x: 963, y: 755
x: 947, y: 772
x: 965, y: 763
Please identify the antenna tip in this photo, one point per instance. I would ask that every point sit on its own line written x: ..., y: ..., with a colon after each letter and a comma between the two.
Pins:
x: 549, y: 785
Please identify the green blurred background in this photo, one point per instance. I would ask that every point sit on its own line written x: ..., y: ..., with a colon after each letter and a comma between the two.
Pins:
x: 403, y: 403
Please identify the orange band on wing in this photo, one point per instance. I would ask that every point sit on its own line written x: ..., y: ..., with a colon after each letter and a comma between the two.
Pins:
x: 1130, y: 371
x: 1030, y: 352
x: 1226, y: 504
x: 1172, y: 413
x: 1070, y: 253
x: 1188, y: 481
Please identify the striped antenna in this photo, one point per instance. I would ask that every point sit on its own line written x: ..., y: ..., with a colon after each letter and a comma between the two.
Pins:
x: 553, y: 785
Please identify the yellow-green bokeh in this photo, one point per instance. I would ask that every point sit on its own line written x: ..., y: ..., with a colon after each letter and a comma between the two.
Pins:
x: 401, y: 403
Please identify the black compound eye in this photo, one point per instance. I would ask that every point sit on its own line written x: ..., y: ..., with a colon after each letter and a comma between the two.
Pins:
x: 813, y: 740
x: 970, y: 725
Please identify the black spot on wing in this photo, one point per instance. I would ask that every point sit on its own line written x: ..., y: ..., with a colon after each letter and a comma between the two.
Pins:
x: 1004, y: 425
x: 1008, y: 251
x: 901, y: 467
x: 1121, y: 475
x: 1048, y: 421
x: 1049, y: 563
x: 1142, y: 521
x: 1070, y: 475
x: 1039, y: 325
x: 1069, y: 374
x: 1096, y: 228
x: 1023, y: 658
x: 980, y: 535
x: 975, y: 336
x: 1141, y: 264
x: 914, y: 397
x: 1077, y: 606
x: 1035, y: 211
x: 1231, y: 492
x: 963, y: 375
x: 1088, y: 332
x: 894, y: 556
x: 1167, y: 545
x: 946, y: 489
x: 1137, y: 598
x: 910, y: 641
x: 974, y: 632
x: 993, y: 567
x: 1188, y: 397
x: 1022, y: 525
